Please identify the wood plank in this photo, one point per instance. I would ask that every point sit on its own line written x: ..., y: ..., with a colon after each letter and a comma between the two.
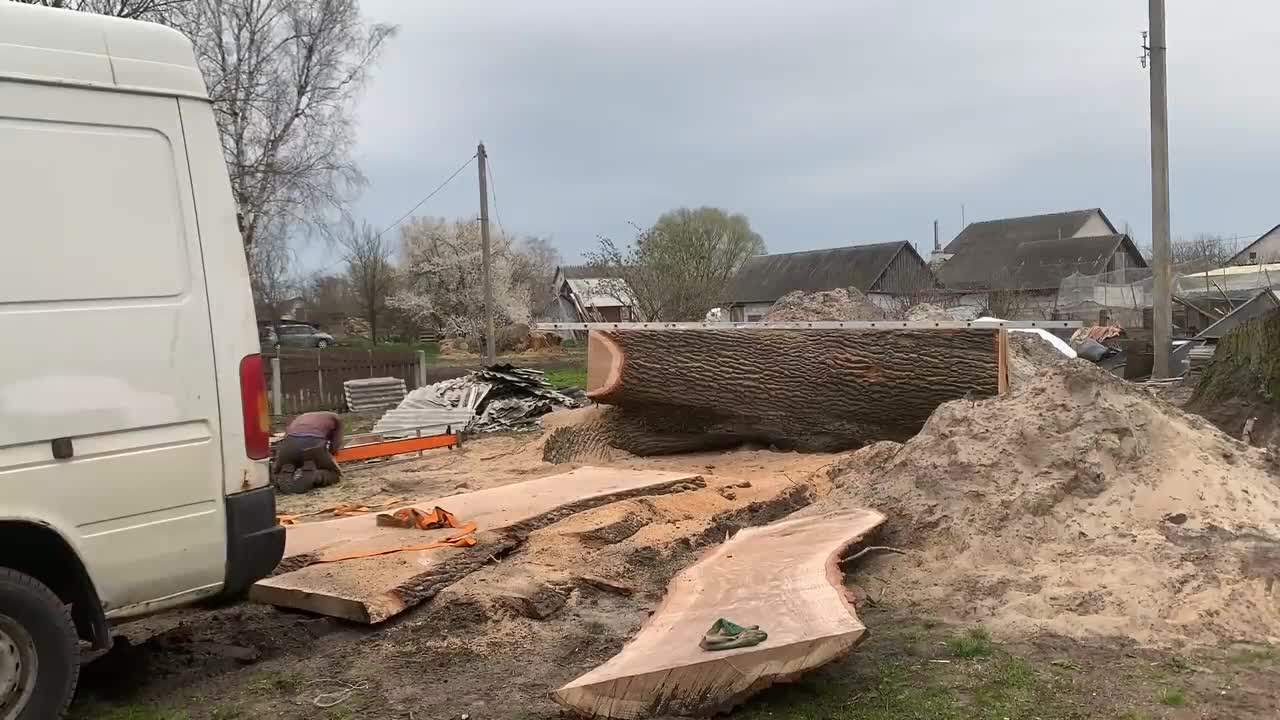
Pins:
x: 782, y: 577
x: 373, y: 589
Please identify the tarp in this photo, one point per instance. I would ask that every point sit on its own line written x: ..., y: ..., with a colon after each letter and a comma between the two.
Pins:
x: 1062, y: 345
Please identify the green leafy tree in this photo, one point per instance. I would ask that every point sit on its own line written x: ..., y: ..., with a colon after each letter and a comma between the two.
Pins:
x: 680, y: 267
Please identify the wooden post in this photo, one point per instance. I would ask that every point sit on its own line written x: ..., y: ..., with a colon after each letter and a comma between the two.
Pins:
x: 422, y: 368
x: 370, y: 351
x: 319, y: 377
x: 489, y: 356
x: 276, y: 391
x: 1161, y: 305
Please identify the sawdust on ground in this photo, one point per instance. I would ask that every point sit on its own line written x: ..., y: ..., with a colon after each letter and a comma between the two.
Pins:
x: 1076, y: 504
x: 838, y: 304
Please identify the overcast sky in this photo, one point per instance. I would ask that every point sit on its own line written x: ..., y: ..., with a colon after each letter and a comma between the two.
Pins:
x: 826, y: 122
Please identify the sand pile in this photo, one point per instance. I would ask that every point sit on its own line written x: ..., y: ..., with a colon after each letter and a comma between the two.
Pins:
x: 1078, y: 505
x: 1029, y: 353
x: 839, y: 304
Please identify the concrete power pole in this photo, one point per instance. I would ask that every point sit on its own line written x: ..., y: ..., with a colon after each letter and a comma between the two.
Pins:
x: 1162, y: 302
x: 490, y: 356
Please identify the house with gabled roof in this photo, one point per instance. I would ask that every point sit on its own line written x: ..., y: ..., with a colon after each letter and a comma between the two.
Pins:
x: 881, y: 271
x: 1032, y: 256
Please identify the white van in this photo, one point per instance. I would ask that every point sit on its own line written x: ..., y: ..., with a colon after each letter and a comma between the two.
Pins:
x: 133, y: 417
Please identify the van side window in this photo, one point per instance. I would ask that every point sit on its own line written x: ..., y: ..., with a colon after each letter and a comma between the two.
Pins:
x: 94, y: 213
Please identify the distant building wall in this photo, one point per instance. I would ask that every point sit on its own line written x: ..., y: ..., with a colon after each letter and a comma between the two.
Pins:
x: 1095, y: 226
x: 1265, y: 250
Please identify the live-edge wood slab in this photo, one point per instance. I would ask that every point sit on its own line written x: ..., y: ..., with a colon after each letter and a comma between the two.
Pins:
x: 372, y: 589
x: 782, y: 577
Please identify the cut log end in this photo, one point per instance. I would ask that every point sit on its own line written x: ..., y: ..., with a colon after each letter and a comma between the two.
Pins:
x: 604, y: 365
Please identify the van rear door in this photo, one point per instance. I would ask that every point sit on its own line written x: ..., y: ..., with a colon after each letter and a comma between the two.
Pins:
x: 108, y: 356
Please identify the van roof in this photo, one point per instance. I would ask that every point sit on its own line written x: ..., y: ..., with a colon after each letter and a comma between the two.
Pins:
x: 67, y: 47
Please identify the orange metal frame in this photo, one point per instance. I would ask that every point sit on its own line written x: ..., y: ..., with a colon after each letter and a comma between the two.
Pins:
x: 394, y: 447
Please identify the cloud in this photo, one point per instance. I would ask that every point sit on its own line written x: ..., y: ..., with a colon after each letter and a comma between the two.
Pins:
x: 826, y: 122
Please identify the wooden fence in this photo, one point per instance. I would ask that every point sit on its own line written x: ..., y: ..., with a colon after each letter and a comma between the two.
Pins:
x: 312, y: 379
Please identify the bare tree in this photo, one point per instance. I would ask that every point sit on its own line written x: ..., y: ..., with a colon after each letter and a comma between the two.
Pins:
x: 284, y: 76
x: 370, y: 271
x: 682, y: 266
x: 534, y: 263
x: 328, y: 296
x: 136, y: 9
x: 270, y: 277
x: 1203, y: 251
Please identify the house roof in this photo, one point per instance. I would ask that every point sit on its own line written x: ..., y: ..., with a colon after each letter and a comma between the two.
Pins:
x: 1042, y: 265
x: 1033, y: 252
x: 982, y: 252
x: 765, y: 278
x: 1244, y: 254
x: 601, y: 292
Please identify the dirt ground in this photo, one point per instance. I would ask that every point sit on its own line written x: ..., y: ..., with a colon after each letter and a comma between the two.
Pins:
x: 491, y: 645
x: 1046, y: 574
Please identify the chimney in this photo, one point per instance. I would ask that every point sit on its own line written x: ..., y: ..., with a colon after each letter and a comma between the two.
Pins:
x: 937, y: 257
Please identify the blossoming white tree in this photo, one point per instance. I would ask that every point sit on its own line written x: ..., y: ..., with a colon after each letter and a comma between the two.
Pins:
x: 443, y: 279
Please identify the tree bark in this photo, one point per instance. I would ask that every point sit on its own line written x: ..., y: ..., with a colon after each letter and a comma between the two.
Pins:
x: 824, y: 390
x: 1242, y: 382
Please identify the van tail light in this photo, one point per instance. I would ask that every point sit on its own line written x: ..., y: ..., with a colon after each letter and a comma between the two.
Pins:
x: 253, y: 403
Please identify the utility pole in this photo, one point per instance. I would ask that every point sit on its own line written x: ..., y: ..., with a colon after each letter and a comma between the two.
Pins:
x: 1162, y: 302
x: 490, y: 356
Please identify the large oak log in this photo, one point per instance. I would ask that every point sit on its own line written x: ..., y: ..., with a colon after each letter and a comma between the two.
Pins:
x: 782, y: 577
x: 372, y: 589
x: 812, y: 389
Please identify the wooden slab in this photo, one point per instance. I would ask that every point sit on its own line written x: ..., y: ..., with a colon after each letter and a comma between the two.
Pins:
x: 373, y: 589
x: 782, y: 577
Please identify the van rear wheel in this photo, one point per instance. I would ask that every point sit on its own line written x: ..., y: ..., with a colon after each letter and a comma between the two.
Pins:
x: 39, y: 651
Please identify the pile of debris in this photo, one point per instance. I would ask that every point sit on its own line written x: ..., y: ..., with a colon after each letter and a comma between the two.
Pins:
x: 492, y: 399
x: 1076, y: 504
x: 834, y: 305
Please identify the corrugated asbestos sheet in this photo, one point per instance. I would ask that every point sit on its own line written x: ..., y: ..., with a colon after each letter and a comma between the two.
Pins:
x: 373, y: 393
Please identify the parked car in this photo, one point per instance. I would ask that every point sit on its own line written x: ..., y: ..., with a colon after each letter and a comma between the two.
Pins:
x: 294, y: 335
x: 135, y: 474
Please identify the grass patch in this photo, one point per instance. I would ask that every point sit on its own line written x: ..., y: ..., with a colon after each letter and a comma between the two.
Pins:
x: 567, y: 377
x: 1003, y: 687
x: 275, y: 682
x: 1173, y: 697
x: 1249, y: 656
x: 974, y: 643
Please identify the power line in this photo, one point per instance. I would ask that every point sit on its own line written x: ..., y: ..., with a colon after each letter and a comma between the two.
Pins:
x: 493, y: 192
x: 430, y: 195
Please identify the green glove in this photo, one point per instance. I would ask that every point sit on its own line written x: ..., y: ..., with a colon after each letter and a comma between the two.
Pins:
x: 726, y: 634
